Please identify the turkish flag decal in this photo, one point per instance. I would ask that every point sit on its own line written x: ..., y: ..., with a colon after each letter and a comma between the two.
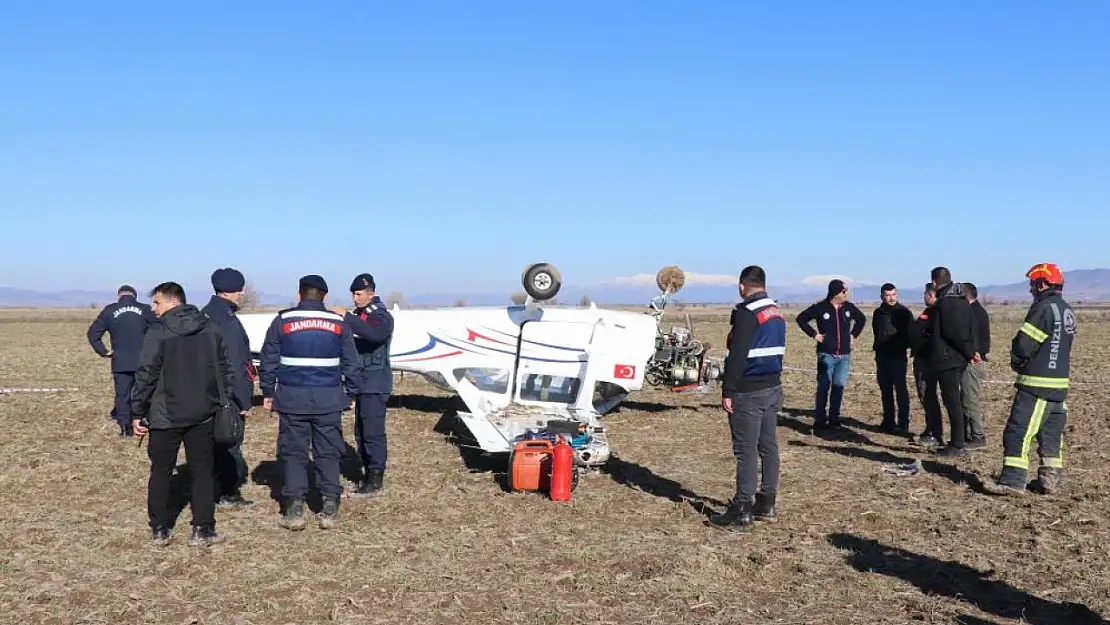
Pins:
x: 625, y: 372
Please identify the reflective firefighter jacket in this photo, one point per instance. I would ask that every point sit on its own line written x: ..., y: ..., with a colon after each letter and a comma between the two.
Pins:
x: 1040, y: 353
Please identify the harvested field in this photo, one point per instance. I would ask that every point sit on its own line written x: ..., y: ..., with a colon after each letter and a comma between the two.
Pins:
x: 444, y: 543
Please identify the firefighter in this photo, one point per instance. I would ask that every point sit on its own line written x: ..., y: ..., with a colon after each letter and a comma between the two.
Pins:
x: 1040, y: 354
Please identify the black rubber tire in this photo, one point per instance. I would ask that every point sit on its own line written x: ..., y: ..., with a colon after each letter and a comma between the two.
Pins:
x: 548, y: 278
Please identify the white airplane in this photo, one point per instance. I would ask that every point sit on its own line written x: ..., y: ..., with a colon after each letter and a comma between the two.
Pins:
x: 522, y: 369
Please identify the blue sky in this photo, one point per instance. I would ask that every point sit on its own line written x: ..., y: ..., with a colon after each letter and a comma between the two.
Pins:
x: 443, y: 146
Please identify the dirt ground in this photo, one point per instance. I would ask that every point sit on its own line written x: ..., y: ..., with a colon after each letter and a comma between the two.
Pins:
x: 445, y: 544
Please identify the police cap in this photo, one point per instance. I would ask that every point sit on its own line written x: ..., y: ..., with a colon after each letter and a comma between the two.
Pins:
x: 362, y: 281
x: 315, y: 281
x: 227, y: 280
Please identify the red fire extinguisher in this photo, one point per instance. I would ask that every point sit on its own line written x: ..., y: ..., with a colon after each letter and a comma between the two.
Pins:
x: 562, y: 465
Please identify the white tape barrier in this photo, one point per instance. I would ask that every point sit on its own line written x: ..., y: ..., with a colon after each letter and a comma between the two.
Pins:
x: 6, y: 391
x: 910, y: 377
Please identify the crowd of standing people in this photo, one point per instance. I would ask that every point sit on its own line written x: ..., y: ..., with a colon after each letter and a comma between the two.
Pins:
x: 176, y: 367
x: 949, y: 344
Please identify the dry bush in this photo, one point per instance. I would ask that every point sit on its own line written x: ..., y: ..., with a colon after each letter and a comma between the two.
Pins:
x: 251, y: 298
x: 396, y: 297
x: 519, y: 297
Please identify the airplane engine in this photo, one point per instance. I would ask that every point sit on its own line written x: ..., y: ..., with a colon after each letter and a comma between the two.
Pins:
x: 679, y: 359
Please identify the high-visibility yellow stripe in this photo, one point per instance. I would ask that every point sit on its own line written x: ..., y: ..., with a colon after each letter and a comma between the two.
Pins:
x: 1017, y: 463
x: 1033, y: 332
x: 1043, y: 382
x: 1054, y: 463
x: 1032, y: 429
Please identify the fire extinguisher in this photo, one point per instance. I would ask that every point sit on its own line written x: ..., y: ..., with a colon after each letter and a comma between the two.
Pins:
x: 562, y: 466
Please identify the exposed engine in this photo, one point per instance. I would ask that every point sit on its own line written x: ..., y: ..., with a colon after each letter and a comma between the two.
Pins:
x: 680, y: 361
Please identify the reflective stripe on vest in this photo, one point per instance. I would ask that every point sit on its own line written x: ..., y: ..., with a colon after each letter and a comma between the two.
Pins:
x: 309, y: 362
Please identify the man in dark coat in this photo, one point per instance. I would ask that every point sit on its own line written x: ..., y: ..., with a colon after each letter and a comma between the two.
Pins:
x: 231, y: 468
x: 372, y: 326
x: 176, y: 398
x: 126, y: 322
x: 953, y: 346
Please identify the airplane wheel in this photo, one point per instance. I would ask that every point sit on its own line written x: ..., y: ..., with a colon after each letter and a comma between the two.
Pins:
x: 542, y: 281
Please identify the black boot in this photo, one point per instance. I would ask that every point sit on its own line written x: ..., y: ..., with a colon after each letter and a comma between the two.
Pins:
x: 293, y: 516
x: 204, y: 536
x: 764, y: 508
x: 1051, y: 479
x: 737, y: 516
x: 372, y: 485
x: 233, y: 501
x: 161, y: 535
x: 329, y: 513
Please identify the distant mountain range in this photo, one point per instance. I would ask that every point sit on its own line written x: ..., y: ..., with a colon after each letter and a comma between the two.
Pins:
x: 1083, y: 285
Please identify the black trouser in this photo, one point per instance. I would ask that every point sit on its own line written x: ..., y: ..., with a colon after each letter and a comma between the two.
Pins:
x: 926, y: 381
x: 753, y: 421
x: 1032, y: 417
x: 950, y: 382
x: 199, y: 440
x: 231, y: 470
x: 891, y: 373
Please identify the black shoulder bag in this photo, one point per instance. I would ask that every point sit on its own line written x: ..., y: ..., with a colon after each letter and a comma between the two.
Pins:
x: 229, y: 425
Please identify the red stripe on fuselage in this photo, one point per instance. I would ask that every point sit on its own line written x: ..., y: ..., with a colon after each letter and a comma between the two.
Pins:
x: 471, y: 335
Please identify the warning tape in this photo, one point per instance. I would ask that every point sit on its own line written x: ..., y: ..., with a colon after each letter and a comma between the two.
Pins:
x: 38, y: 390
x: 910, y: 377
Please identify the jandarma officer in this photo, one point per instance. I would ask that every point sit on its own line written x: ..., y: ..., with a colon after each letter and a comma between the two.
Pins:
x: 372, y: 326
x: 309, y: 355
x: 126, y: 322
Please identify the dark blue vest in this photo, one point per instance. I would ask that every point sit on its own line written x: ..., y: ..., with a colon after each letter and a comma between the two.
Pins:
x: 769, y: 342
x: 375, y: 356
x: 310, y: 348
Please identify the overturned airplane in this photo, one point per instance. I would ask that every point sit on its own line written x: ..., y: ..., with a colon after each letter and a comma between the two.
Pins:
x: 523, y: 370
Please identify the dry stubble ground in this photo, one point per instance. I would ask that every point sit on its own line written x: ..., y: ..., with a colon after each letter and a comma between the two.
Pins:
x: 444, y: 543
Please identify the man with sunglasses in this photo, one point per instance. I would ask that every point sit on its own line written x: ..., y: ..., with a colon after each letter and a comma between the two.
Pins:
x: 839, y: 324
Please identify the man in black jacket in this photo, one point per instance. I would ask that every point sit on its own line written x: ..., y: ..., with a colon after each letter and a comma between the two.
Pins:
x: 976, y: 372
x: 839, y: 324
x: 925, y: 379
x: 176, y: 397
x: 126, y: 322
x: 890, y: 325
x: 953, y: 348
x: 231, y: 468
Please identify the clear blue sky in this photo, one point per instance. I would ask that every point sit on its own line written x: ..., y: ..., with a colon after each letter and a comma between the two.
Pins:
x: 443, y: 146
